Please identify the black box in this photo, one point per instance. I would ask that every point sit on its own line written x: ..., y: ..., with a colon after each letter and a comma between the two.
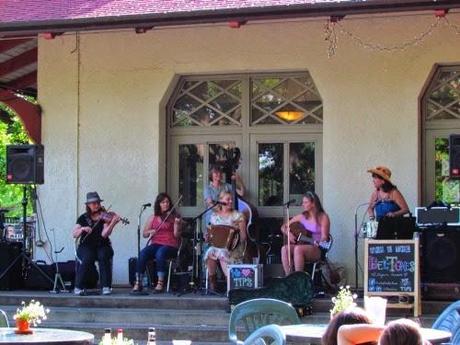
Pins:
x: 13, y: 278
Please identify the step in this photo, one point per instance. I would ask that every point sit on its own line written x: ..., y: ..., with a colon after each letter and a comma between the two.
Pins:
x: 116, y: 300
x: 135, y: 316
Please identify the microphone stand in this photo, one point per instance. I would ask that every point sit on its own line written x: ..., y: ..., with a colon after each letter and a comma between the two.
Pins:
x: 197, y: 239
x: 143, y: 207
x: 356, y: 241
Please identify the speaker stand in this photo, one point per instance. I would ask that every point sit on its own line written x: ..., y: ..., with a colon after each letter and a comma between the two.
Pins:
x: 24, y: 255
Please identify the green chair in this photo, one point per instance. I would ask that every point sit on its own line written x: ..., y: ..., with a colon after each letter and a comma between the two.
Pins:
x: 449, y: 321
x: 3, y: 319
x: 271, y: 333
x: 256, y: 313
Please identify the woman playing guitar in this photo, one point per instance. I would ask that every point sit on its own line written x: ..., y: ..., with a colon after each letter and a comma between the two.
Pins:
x: 225, y: 215
x: 316, y: 221
x: 163, y: 229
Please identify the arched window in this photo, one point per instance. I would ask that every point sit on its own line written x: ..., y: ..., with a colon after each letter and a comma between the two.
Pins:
x: 274, y: 118
x: 441, y: 117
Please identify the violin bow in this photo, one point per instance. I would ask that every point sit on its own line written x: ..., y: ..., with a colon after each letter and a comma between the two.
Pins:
x: 165, y: 218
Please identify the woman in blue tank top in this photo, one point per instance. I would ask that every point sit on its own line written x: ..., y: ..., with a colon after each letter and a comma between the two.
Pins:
x: 386, y: 200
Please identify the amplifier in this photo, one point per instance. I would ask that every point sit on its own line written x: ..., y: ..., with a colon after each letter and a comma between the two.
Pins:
x: 440, y: 255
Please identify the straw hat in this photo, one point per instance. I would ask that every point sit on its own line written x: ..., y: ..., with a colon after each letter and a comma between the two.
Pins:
x: 382, y: 172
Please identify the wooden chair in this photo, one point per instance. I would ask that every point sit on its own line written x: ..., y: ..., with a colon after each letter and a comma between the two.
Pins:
x: 256, y: 313
x: 3, y: 319
x: 449, y: 321
x: 272, y: 333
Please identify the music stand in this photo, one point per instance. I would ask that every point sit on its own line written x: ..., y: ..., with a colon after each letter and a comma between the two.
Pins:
x: 24, y: 255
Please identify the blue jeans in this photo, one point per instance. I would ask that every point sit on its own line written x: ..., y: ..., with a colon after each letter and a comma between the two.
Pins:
x: 160, y: 253
x: 88, y: 255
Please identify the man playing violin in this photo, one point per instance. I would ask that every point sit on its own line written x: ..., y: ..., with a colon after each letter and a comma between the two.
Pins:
x: 93, y: 229
x: 316, y: 222
x: 163, y: 229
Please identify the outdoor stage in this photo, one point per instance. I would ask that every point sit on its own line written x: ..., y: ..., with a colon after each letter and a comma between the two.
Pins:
x: 202, y: 319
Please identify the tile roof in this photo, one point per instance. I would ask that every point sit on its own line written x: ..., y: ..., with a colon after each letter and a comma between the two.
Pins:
x: 52, y: 10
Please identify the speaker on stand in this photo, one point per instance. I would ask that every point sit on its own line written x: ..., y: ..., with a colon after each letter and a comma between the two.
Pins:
x: 24, y: 165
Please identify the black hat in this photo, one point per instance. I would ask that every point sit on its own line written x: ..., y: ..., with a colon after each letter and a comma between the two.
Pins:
x: 92, y: 197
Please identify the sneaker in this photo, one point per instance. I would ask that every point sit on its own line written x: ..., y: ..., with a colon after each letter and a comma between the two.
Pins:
x: 78, y: 292
x: 106, y: 290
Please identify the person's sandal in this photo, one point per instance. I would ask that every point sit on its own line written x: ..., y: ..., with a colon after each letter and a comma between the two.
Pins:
x: 159, y: 287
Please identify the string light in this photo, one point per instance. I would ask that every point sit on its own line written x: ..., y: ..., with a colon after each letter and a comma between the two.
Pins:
x: 454, y: 27
x: 331, y: 36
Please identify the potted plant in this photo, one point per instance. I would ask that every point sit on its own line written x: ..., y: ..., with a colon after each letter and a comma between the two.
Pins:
x: 32, y: 313
x: 345, y: 299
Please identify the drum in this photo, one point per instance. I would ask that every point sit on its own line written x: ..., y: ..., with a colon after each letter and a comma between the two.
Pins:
x: 224, y: 236
x: 369, y: 229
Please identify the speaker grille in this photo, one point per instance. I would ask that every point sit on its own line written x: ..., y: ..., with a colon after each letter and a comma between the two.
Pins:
x: 24, y: 164
x: 441, y: 256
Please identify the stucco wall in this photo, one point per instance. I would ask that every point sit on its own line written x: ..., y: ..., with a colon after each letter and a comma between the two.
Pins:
x: 103, y: 130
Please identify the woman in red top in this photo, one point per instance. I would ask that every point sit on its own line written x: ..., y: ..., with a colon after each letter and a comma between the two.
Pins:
x: 164, y: 234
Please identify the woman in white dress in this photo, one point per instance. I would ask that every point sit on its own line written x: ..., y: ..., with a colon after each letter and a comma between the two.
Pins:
x: 225, y: 215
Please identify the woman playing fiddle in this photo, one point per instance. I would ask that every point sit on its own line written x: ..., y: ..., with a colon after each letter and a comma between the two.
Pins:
x: 224, y: 214
x: 94, y: 228
x: 163, y: 229
x: 316, y: 221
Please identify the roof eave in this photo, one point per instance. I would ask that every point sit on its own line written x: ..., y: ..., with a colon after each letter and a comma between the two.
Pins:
x: 216, y: 16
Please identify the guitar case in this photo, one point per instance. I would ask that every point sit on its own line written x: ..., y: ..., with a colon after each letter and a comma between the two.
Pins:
x: 296, y: 289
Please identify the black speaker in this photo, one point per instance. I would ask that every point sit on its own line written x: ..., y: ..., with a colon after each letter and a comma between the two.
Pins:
x: 441, y: 255
x: 13, y: 278
x: 454, y: 155
x: 24, y: 164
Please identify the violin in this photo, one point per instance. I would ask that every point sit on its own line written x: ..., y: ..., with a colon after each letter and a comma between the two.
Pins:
x: 107, y: 216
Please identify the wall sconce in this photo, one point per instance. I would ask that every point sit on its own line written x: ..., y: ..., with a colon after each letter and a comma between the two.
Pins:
x: 143, y: 30
x: 51, y: 35
x: 289, y: 115
x: 236, y: 24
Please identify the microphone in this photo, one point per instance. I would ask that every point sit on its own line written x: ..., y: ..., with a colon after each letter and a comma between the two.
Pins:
x: 289, y: 202
x: 147, y: 205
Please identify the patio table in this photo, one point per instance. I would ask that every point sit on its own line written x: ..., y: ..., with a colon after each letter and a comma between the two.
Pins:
x: 310, y: 333
x: 46, y: 336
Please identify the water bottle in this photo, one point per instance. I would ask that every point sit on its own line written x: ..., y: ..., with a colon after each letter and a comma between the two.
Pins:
x: 107, y: 338
x: 120, y: 336
x: 151, y: 339
x: 145, y: 281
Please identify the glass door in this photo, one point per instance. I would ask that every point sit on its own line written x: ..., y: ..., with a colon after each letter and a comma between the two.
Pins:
x: 284, y: 169
x: 189, y: 172
x: 438, y: 186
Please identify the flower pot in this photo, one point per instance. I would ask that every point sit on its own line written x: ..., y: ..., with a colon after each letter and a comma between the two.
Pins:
x: 23, y: 326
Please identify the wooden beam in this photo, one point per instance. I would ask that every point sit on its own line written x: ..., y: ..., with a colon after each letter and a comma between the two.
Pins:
x: 25, y: 81
x: 6, y: 45
x: 18, y: 62
x: 29, y: 113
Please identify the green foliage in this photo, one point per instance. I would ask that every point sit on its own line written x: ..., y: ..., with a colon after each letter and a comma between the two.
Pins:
x: 447, y: 190
x: 12, y: 132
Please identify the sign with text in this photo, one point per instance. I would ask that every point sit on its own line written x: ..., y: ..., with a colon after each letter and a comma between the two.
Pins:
x: 244, y: 276
x: 392, y: 269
